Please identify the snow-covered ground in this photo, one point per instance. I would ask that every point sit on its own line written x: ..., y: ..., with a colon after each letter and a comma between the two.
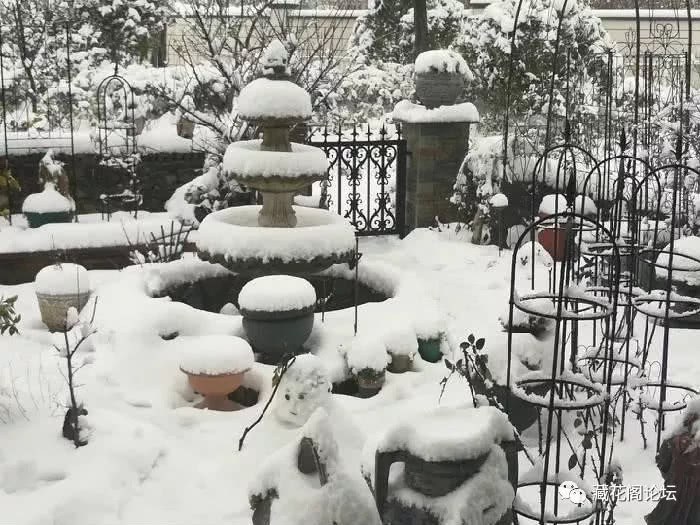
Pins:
x: 153, y: 458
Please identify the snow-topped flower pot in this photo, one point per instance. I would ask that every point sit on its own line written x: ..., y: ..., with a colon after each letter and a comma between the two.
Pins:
x: 370, y: 382
x: 440, y: 77
x: 215, y: 367
x: 400, y: 363
x: 429, y: 349
x: 278, y: 314
x: 553, y: 239
x: 59, y: 287
x: 47, y: 207
x: 401, y: 343
x: 367, y: 358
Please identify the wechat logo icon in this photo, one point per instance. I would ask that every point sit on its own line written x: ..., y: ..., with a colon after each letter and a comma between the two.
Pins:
x: 569, y: 490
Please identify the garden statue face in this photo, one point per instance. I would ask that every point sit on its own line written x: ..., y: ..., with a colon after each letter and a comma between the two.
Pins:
x: 303, y: 388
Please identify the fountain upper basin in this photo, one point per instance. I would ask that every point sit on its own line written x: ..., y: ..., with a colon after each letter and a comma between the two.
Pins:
x: 275, y: 171
x: 233, y: 238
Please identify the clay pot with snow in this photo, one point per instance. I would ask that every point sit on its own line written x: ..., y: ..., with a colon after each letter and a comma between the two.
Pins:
x: 278, y: 315
x: 440, y: 77
x: 429, y: 328
x: 46, y: 207
x: 553, y: 239
x: 402, y: 345
x: 215, y: 366
x: 59, y: 287
x: 370, y: 382
x: 367, y: 359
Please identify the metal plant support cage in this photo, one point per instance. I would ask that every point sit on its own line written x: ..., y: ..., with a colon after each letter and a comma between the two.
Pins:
x: 622, y: 253
x: 117, y: 132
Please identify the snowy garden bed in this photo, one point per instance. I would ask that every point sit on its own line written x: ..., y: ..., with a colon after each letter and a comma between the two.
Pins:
x: 146, y: 440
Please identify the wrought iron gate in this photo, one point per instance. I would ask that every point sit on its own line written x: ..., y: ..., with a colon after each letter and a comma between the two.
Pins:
x: 367, y: 176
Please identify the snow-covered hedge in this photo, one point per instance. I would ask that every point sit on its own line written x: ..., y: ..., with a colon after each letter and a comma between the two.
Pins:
x: 485, y: 43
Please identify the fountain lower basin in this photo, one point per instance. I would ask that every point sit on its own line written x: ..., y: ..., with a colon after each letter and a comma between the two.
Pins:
x: 234, y: 239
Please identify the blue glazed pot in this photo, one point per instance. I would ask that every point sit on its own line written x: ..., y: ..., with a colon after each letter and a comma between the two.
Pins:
x: 274, y: 334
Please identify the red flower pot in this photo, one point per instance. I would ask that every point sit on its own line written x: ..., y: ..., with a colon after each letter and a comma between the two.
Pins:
x: 554, y: 241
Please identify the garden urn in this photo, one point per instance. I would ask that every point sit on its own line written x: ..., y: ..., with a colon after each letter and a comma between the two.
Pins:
x: 440, y: 77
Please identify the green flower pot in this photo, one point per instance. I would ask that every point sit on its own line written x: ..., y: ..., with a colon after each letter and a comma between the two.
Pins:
x: 39, y: 219
x: 429, y: 349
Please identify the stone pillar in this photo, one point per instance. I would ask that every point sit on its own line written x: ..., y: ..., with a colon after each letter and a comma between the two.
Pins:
x: 436, y: 151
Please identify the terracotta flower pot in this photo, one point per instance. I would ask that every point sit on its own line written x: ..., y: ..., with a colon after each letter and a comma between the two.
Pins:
x: 554, y: 241
x: 215, y: 389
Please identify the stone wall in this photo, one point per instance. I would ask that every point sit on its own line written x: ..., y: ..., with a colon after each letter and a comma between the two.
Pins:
x: 160, y: 175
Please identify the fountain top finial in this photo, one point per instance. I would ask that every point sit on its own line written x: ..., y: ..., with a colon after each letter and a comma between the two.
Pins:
x: 274, y: 98
x: 275, y: 61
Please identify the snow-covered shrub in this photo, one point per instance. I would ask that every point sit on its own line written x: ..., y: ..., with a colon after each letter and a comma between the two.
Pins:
x: 8, y: 317
x: 35, y: 45
x: 386, y: 33
x: 485, y: 43
x: 372, y: 91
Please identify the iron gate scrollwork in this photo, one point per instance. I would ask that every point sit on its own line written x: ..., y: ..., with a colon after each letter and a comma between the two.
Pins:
x: 367, y: 173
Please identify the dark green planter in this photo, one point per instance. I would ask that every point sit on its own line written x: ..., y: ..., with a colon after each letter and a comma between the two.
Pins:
x: 274, y: 334
x: 39, y: 219
x: 429, y: 349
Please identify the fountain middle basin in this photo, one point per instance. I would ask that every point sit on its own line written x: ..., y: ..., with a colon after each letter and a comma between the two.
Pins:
x: 233, y: 238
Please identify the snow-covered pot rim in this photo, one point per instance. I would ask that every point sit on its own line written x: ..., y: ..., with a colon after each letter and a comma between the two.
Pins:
x: 198, y: 374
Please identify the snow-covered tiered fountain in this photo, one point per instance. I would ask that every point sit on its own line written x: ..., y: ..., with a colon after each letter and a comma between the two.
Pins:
x: 276, y: 237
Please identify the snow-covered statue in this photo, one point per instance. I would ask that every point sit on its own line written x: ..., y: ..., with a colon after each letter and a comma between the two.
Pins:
x: 311, y: 481
x: 304, y: 387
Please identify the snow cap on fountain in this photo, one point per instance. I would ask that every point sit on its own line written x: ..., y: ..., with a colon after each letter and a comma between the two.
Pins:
x: 275, y: 58
x: 273, y: 96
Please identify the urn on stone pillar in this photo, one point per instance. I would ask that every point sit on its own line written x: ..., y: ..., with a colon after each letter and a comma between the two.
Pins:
x: 437, y: 133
